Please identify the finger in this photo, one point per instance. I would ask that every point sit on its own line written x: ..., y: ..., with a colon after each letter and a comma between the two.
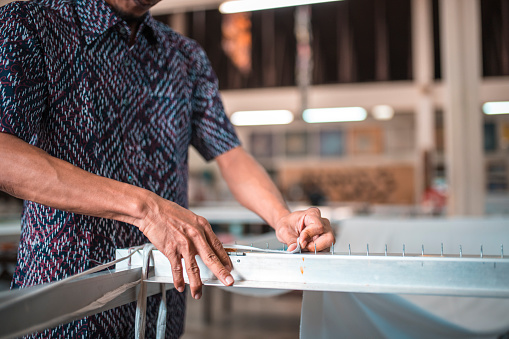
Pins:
x: 322, y: 242
x: 326, y: 225
x: 287, y: 236
x: 292, y: 247
x: 314, y: 211
x: 208, y: 255
x: 177, y: 272
x: 218, y: 248
x: 310, y: 212
x: 313, y: 226
x: 193, y: 273
x: 212, y: 261
x: 316, y: 227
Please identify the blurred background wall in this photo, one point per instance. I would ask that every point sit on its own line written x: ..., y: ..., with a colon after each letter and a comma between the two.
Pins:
x: 365, y: 53
x: 386, y: 56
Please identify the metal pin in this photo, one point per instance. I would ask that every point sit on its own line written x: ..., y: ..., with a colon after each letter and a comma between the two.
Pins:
x: 502, y: 251
x: 315, y: 248
x: 403, y: 249
x: 251, y: 244
x: 235, y: 242
x: 267, y: 245
x: 461, y: 252
x: 129, y: 260
x: 385, y: 249
x: 442, y: 250
x: 349, y: 250
x: 422, y: 250
x: 367, y: 250
x: 332, y: 248
x: 482, y: 255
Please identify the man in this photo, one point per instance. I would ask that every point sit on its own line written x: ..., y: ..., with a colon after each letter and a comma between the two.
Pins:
x: 99, y: 105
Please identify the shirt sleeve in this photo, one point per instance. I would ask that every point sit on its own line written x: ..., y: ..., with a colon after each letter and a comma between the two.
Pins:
x: 213, y: 133
x: 23, y: 89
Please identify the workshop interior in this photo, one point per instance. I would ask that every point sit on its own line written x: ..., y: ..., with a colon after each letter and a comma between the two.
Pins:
x: 391, y: 117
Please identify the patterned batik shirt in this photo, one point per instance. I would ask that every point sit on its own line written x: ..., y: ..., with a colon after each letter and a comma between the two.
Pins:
x: 71, y: 85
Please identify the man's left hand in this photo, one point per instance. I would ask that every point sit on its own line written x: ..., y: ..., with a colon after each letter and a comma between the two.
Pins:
x: 307, y: 225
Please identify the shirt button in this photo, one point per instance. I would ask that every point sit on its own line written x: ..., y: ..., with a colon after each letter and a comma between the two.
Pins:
x: 122, y: 30
x: 125, y: 102
x: 126, y: 62
x: 130, y: 179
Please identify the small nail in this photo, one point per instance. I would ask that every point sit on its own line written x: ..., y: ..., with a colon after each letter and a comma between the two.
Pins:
x: 180, y: 289
x: 197, y: 296
x: 229, y: 280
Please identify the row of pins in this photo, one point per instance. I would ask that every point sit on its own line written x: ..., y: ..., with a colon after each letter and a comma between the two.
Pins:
x: 403, y: 251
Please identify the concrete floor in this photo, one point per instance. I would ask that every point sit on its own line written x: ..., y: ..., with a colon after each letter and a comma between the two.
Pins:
x: 248, y: 317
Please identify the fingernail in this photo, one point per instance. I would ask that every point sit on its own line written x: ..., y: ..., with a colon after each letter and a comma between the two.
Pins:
x: 197, y: 296
x: 229, y: 280
x: 180, y: 289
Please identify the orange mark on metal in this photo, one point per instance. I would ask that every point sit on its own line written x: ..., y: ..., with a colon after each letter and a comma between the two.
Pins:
x: 302, y: 269
x: 302, y: 258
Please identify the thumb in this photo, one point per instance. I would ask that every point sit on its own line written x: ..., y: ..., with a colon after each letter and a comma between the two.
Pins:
x: 292, y: 247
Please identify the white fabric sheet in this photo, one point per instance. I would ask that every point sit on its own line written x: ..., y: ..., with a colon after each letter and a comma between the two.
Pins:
x: 350, y: 315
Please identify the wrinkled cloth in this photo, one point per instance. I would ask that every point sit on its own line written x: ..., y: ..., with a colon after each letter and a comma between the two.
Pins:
x: 364, y: 315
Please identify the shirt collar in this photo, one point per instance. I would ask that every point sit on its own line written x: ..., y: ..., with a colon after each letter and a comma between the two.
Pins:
x: 155, y: 30
x: 97, y: 17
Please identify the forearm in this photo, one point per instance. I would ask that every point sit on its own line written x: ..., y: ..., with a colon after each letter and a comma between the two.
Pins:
x: 29, y: 173
x: 251, y: 185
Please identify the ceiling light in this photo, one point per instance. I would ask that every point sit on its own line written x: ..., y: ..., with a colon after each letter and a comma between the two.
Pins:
x: 256, y: 118
x: 382, y: 112
x: 338, y: 114
x: 236, y: 6
x: 496, y: 107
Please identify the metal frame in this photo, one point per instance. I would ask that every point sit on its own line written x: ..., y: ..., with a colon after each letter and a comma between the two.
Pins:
x: 479, y: 276
x: 40, y: 307
x: 37, y: 308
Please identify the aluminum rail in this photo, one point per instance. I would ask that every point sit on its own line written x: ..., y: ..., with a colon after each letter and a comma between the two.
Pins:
x: 37, y: 308
x: 10, y: 231
x: 485, y: 276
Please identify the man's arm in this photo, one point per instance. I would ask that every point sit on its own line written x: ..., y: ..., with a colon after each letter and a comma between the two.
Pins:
x: 29, y: 173
x: 253, y: 188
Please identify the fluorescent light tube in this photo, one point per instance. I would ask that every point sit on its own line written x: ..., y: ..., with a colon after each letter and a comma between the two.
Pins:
x: 496, y: 107
x: 338, y: 114
x: 256, y: 118
x: 382, y: 112
x: 237, y: 6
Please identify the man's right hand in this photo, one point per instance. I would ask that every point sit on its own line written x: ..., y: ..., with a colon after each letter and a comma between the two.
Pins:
x: 29, y: 173
x: 179, y: 233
